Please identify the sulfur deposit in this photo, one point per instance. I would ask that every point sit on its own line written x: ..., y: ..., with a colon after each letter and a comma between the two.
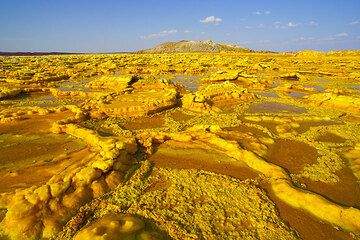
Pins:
x: 227, y: 144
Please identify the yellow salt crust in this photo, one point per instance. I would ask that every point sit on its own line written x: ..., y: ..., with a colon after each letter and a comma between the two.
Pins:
x: 28, y: 209
x: 309, y: 54
x: 197, y: 103
x: 287, y: 125
x: 136, y: 103
x: 225, y: 90
x: 109, y: 146
x: 353, y: 156
x: 340, y: 102
x: 201, y: 100
x: 344, y: 217
x: 59, y: 93
x: 21, y: 114
x: 9, y: 92
x: 113, y: 82
x: 286, y: 119
x: 116, y: 227
x: 157, y: 84
x: 221, y: 76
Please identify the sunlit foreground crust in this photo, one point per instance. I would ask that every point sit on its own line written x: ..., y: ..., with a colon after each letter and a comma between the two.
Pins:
x: 40, y: 212
x: 344, y: 217
x: 117, y: 227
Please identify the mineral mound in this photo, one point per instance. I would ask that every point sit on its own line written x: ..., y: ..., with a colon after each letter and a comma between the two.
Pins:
x: 194, y: 46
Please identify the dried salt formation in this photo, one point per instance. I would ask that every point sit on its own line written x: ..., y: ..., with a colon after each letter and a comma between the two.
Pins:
x: 234, y: 144
x: 136, y: 103
x: 117, y: 227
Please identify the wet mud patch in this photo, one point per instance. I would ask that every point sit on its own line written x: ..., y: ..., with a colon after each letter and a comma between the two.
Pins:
x: 275, y: 107
x: 267, y: 94
x: 227, y: 106
x: 297, y: 94
x: 292, y: 155
x: 32, y: 160
x: 321, y: 80
x: 316, y: 87
x: 345, y: 192
x: 42, y: 99
x: 190, y: 83
x: 156, y: 121
x: 331, y: 138
x: 33, y: 124
x: 71, y: 86
x: 176, y: 155
x: 180, y: 116
x: 355, y: 86
x: 37, y: 98
x: 306, y: 125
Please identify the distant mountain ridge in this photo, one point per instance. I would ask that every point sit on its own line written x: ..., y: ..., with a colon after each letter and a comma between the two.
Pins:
x: 33, y: 53
x: 194, y: 46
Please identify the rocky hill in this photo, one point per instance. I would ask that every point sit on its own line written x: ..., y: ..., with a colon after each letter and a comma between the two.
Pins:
x: 194, y: 46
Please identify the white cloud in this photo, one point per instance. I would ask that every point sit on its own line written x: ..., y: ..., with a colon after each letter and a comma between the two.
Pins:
x: 188, y: 31
x: 303, y: 39
x: 356, y: 22
x: 262, y: 13
x: 211, y: 19
x: 343, y: 34
x: 261, y: 25
x: 313, y: 24
x: 292, y: 24
x: 162, y: 34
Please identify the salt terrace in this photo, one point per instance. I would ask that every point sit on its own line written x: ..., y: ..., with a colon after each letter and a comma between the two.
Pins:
x: 180, y: 146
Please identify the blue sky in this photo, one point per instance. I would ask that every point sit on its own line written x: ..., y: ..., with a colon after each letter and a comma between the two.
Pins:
x: 110, y: 25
